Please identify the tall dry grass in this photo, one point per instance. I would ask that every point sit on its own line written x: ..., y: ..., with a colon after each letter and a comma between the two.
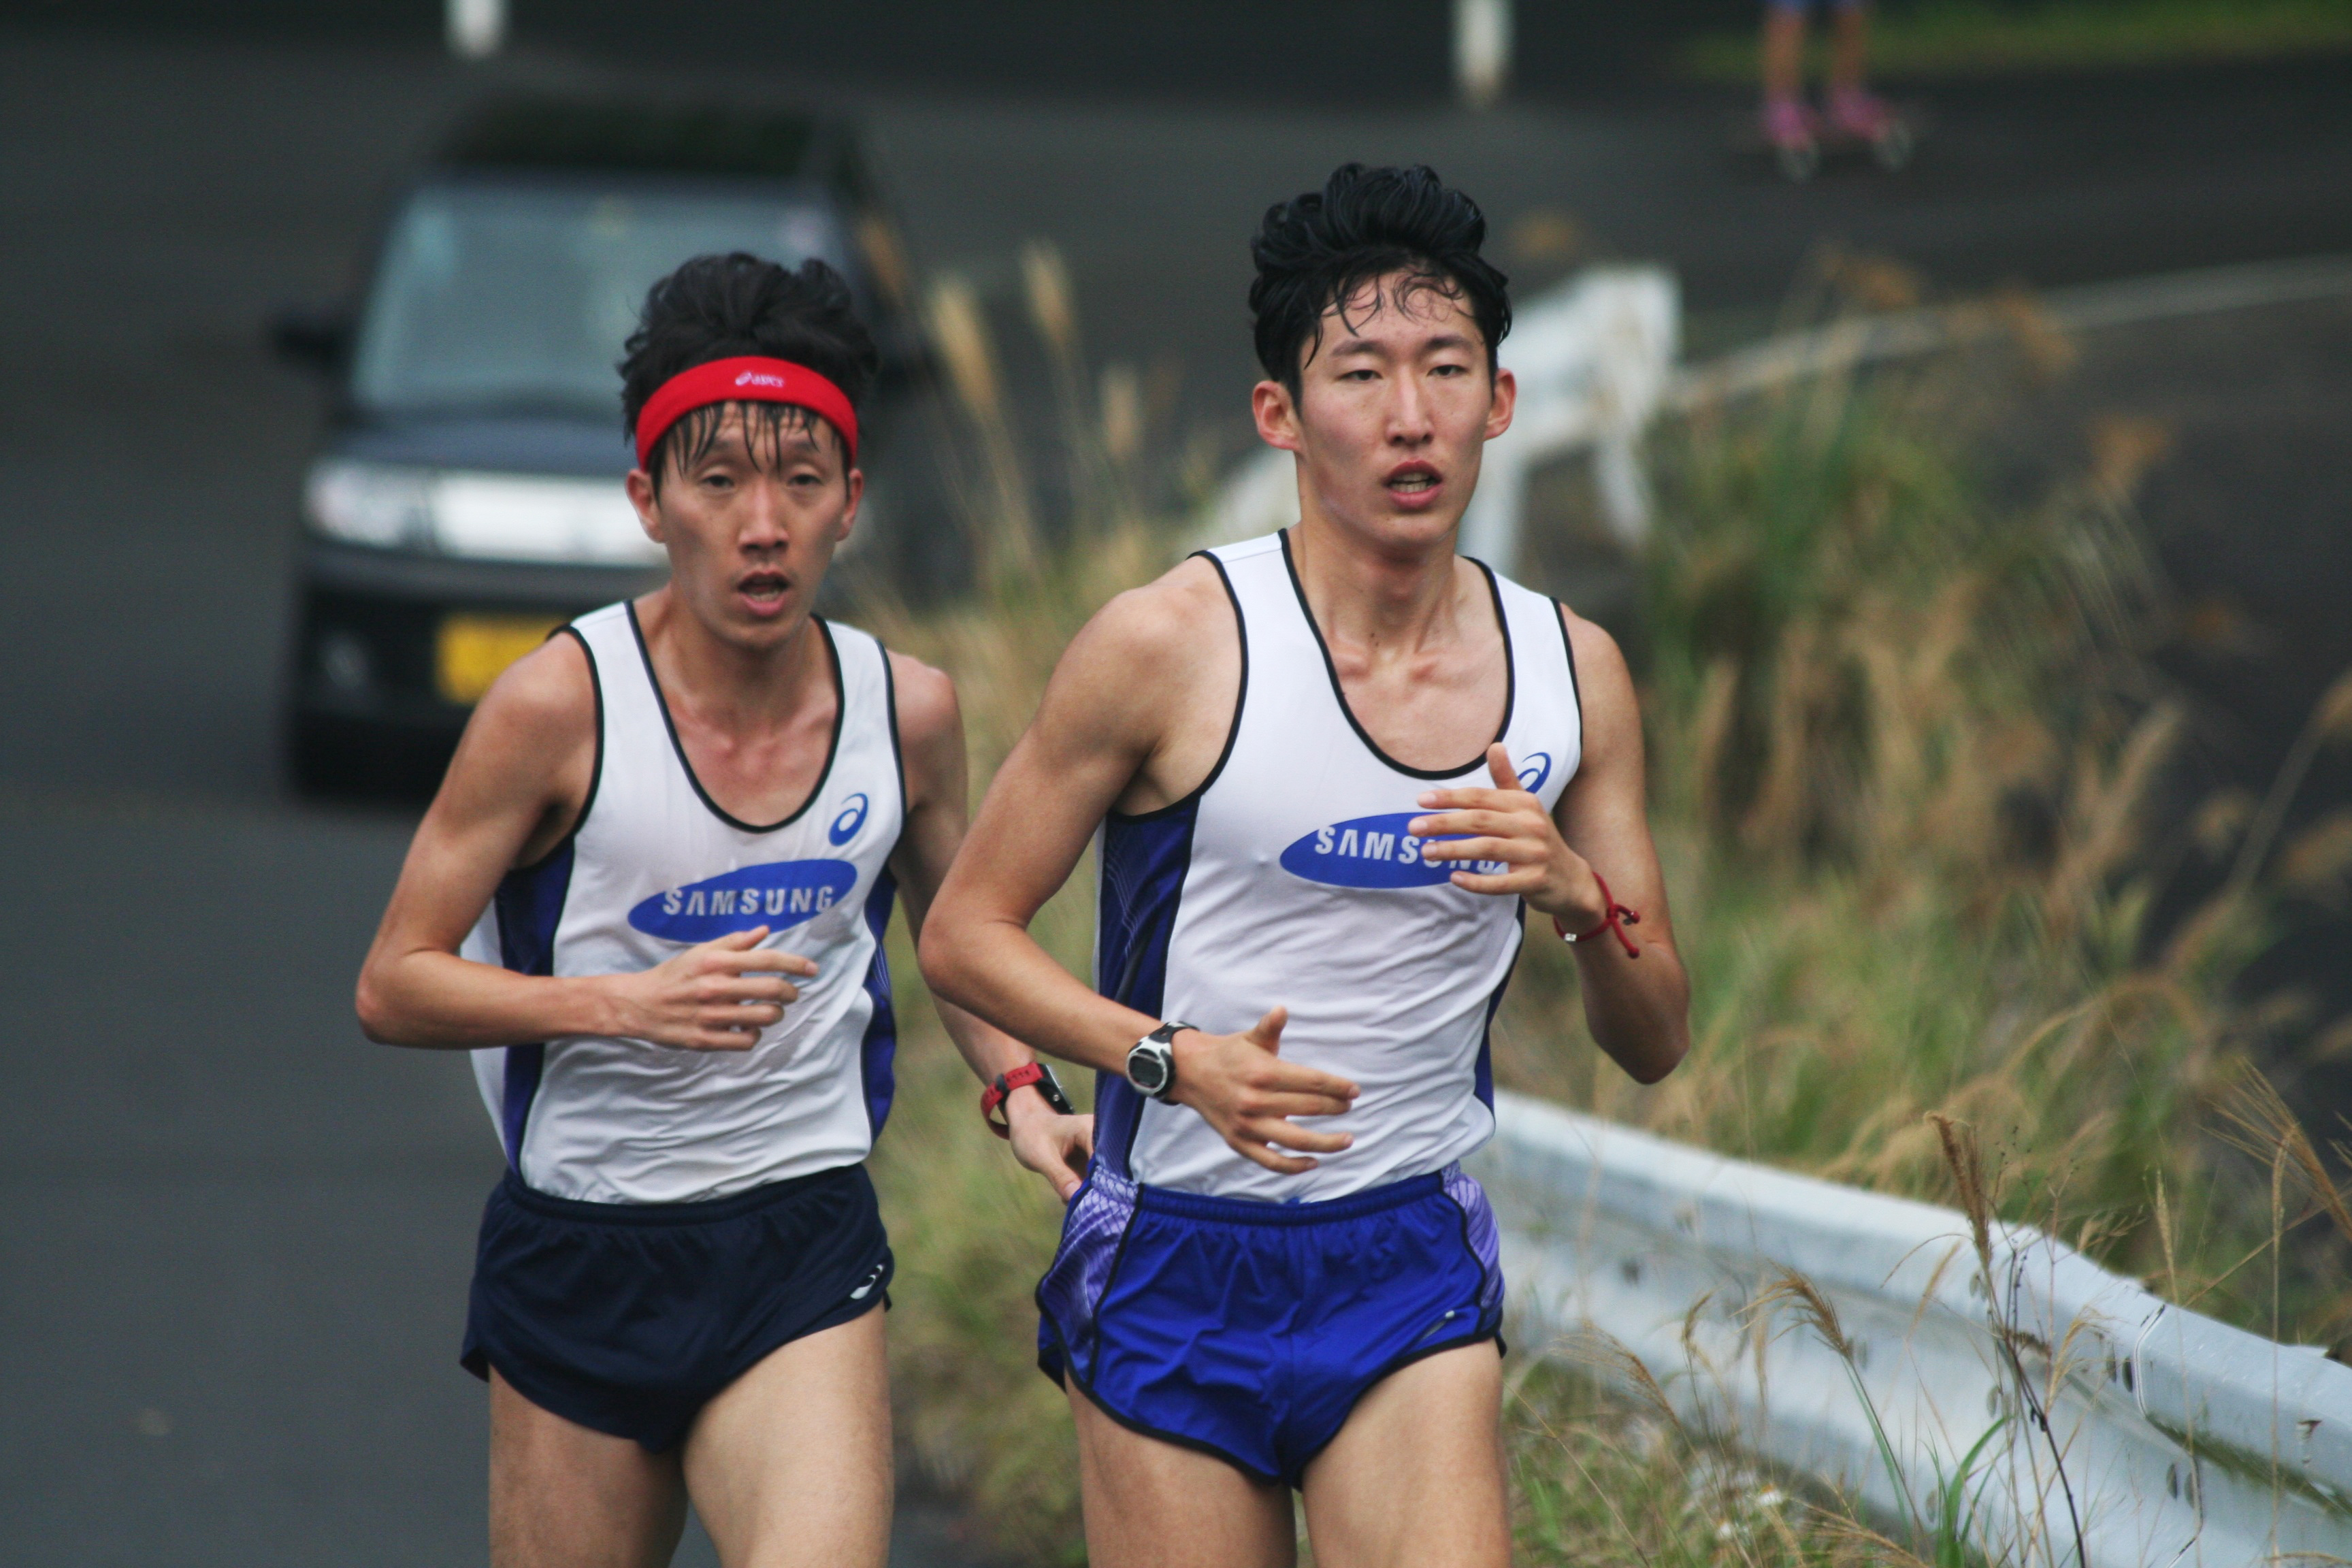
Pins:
x: 1902, y: 743
x: 972, y: 1231
x: 1904, y: 746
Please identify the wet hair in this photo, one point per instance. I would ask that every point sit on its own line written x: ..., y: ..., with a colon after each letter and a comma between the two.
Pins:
x: 1322, y: 248
x: 720, y: 307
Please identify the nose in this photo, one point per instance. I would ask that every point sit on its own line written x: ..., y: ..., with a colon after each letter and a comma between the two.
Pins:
x: 1409, y: 415
x: 763, y: 524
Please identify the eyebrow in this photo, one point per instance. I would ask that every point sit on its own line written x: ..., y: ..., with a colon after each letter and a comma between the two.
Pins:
x: 1369, y: 346
x: 789, y: 442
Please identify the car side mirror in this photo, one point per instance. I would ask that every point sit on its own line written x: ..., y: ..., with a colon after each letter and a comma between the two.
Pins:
x: 317, y: 339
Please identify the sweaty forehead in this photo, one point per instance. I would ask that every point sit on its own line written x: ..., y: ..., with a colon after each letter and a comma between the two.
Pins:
x: 763, y: 434
x: 1399, y: 307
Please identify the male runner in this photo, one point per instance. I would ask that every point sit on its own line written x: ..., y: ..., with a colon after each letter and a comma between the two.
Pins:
x: 1327, y: 768
x: 651, y: 896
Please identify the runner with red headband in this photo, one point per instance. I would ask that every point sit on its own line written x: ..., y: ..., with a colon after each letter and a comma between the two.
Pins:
x: 650, y: 898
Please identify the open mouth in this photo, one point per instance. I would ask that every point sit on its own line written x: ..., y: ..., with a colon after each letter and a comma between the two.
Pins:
x: 1411, y: 482
x: 764, y: 590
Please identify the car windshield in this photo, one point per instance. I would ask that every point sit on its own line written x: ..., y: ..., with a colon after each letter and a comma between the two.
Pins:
x: 516, y: 299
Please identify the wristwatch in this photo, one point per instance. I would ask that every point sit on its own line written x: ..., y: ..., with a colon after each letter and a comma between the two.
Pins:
x: 1151, y: 1061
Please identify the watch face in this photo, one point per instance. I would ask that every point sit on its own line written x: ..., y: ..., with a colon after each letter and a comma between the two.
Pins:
x: 1147, y: 1068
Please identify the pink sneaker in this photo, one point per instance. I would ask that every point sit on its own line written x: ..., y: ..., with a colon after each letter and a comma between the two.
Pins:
x: 1788, y: 125
x: 1862, y: 115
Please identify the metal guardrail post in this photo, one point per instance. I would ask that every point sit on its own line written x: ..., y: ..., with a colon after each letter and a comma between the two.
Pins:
x: 476, y: 29
x: 1482, y: 51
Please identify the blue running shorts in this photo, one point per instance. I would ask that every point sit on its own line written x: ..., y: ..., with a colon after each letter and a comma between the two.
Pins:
x: 1250, y: 1330
x: 629, y: 1318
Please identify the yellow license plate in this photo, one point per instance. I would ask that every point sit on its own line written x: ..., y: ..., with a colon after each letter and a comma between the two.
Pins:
x: 475, y: 650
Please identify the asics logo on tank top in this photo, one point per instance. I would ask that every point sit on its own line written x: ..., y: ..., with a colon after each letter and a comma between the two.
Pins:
x: 853, y: 817
x: 779, y: 895
x: 1534, y: 769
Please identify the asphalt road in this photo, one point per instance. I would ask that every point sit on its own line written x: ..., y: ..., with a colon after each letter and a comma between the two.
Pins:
x: 232, y: 1274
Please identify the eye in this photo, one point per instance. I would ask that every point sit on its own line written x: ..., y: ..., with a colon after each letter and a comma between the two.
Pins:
x: 1360, y: 375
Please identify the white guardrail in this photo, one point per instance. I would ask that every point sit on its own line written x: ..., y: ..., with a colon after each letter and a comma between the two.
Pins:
x: 2130, y: 1433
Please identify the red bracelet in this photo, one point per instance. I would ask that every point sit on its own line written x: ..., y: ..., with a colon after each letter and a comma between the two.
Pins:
x: 1022, y: 1077
x: 1615, y: 919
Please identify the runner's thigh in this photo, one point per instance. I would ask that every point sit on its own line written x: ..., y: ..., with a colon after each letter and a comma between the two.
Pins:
x: 562, y: 1496
x: 790, y: 1465
x: 1415, y: 1479
x: 1153, y: 1504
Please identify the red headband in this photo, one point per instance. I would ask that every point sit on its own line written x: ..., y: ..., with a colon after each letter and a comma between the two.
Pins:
x: 746, y: 380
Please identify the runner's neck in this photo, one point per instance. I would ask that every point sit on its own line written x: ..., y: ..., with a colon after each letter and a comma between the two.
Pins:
x: 1384, y: 602
x: 744, y: 692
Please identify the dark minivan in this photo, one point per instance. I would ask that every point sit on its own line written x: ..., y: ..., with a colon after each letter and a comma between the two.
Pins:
x: 467, y: 497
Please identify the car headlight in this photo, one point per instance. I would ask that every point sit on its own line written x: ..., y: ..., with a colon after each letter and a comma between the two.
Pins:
x: 495, y: 517
x: 365, y: 503
x: 514, y: 516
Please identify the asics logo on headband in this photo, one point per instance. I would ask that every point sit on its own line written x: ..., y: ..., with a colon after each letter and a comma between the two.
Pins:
x: 755, y: 378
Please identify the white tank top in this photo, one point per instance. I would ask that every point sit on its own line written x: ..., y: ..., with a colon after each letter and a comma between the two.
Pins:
x: 655, y: 866
x: 1288, y: 877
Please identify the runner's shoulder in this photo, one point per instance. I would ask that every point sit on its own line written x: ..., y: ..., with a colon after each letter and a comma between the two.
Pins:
x: 925, y: 699
x: 1598, y: 660
x: 545, y: 700
x: 1606, y: 698
x: 1150, y: 637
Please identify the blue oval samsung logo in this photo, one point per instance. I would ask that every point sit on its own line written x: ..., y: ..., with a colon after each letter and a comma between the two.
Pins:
x: 853, y: 817
x: 1374, y: 852
x: 780, y: 894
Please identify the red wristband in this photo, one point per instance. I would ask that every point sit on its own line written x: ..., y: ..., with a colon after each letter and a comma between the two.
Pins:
x: 1614, y: 918
x: 997, y: 1093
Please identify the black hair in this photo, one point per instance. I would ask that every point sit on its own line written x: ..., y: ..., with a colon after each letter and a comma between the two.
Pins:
x: 720, y: 307
x: 1319, y: 248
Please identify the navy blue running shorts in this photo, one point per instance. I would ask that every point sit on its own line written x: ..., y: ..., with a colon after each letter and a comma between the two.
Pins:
x: 629, y: 1318
x: 1250, y: 1330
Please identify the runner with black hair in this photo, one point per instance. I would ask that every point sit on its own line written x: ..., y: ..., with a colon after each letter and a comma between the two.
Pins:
x: 650, y: 898
x: 1309, y: 903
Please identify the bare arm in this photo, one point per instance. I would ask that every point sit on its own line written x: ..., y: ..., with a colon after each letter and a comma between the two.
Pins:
x: 1105, y: 733
x: 1637, y: 1008
x: 514, y: 791
x: 930, y: 738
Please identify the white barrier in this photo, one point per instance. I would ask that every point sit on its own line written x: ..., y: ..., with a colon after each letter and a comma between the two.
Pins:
x: 1592, y: 358
x: 2131, y: 1433
x: 1860, y: 341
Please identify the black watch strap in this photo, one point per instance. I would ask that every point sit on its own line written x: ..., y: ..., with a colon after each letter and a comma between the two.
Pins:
x: 1051, y: 1088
